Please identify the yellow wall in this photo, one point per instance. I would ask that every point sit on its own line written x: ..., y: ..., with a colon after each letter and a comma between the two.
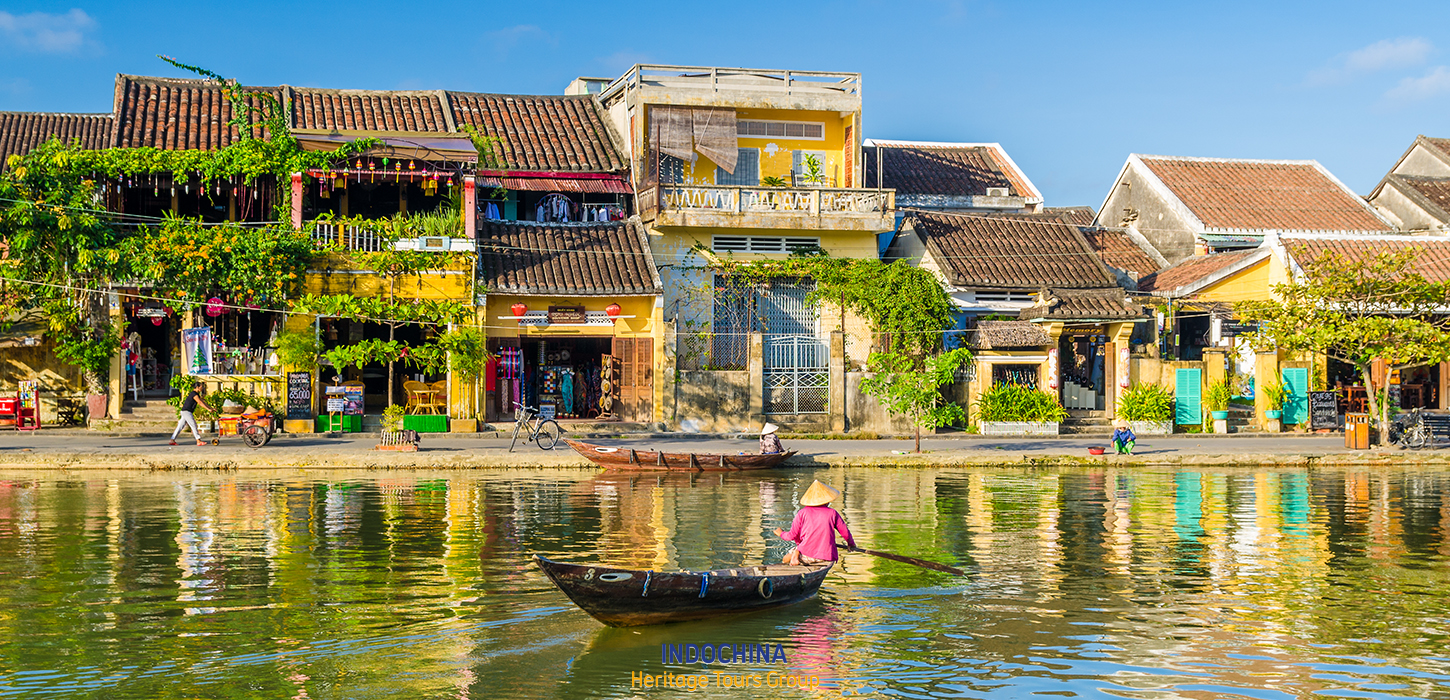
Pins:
x: 336, y: 275
x: 1250, y: 284
x: 777, y: 162
x: 642, y: 309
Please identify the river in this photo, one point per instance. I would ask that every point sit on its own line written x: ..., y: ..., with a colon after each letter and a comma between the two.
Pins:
x: 1091, y: 582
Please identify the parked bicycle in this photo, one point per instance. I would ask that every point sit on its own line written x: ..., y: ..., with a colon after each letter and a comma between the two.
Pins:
x: 1409, y: 430
x: 540, y: 430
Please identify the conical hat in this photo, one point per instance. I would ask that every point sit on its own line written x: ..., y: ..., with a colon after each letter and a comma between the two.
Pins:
x: 769, y: 428
x: 1120, y: 423
x: 819, y: 494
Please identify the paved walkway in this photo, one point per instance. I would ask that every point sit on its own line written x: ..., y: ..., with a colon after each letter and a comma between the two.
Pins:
x: 72, y: 448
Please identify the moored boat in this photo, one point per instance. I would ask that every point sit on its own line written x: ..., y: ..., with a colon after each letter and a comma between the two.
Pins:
x: 628, y: 597
x: 628, y: 458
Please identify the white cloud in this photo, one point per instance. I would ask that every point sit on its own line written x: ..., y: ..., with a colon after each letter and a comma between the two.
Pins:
x: 1388, y: 54
x: 43, y: 32
x: 1436, y: 82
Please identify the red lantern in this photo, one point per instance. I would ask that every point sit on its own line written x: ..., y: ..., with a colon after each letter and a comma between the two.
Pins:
x: 156, y: 320
x: 519, y: 309
x: 214, y: 307
x: 613, y: 310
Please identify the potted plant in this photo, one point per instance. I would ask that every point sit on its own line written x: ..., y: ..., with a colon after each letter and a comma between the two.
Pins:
x: 393, y: 437
x: 1274, y: 396
x: 1013, y: 409
x: 468, y: 357
x: 1217, y: 398
x: 1148, y: 408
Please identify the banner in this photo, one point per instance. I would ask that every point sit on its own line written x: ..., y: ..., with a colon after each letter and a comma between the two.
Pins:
x: 196, y: 350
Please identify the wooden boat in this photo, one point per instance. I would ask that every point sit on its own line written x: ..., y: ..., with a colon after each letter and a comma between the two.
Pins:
x: 645, y: 460
x: 628, y: 598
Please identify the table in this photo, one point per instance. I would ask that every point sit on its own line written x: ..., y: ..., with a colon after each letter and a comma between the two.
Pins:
x: 424, y: 400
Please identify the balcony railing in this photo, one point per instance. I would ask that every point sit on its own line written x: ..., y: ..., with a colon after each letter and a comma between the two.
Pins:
x: 356, y: 237
x: 813, y: 201
x: 716, y: 79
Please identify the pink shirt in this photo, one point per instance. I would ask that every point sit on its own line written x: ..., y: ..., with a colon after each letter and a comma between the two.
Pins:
x: 814, y: 531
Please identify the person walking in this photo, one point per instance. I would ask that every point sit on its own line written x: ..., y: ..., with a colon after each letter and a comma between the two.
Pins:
x: 187, y: 419
x: 1123, y: 437
x: 814, y: 528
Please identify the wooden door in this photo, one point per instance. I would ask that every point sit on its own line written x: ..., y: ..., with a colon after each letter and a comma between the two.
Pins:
x: 635, y: 357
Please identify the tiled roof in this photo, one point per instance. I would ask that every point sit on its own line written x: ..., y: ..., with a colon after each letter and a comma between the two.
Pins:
x: 1435, y: 189
x: 944, y: 169
x: 1431, y: 255
x: 1442, y: 144
x: 1190, y: 270
x: 996, y: 335
x: 1080, y: 216
x: 1017, y: 251
x: 1083, y: 305
x: 368, y: 110
x: 541, y: 132
x: 1258, y: 195
x: 176, y: 114
x: 545, y: 259
x: 22, y: 131
x: 1117, y: 249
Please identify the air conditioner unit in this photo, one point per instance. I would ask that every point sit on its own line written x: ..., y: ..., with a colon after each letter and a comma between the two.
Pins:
x: 997, y: 192
x: 433, y: 243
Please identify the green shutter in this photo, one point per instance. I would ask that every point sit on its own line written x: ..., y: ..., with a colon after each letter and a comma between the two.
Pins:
x: 1188, y: 397
x: 1296, y: 396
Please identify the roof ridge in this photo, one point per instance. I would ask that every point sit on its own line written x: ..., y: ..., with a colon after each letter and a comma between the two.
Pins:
x: 1210, y: 159
x: 59, y: 114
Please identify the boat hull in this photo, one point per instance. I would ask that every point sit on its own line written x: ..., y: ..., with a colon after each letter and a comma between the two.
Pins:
x: 628, y: 459
x: 629, y: 598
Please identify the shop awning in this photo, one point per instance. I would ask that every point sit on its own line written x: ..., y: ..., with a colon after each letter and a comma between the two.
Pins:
x: 611, y: 184
x: 422, y: 146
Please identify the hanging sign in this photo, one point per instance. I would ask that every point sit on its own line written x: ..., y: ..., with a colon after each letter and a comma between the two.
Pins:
x: 1232, y: 329
x: 299, y: 395
x: 568, y: 315
x: 1052, y: 380
x: 214, y: 307
x: 1123, y: 357
x: 151, y: 312
x: 196, y: 350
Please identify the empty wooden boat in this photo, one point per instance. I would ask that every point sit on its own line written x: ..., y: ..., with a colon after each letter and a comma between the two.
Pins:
x: 628, y: 597
x: 628, y: 458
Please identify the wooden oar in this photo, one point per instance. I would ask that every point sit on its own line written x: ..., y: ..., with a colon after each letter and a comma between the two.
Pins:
x: 912, y: 561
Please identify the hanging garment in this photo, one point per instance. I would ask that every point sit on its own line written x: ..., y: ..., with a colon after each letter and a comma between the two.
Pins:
x: 491, y: 211
x: 566, y: 389
x: 541, y: 213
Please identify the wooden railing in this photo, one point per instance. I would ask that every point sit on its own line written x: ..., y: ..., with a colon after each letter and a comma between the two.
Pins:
x: 362, y: 238
x: 815, y: 201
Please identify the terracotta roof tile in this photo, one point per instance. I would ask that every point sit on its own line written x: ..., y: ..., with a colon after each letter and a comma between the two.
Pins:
x: 1017, y: 251
x: 1080, y: 216
x: 542, y: 132
x: 176, y: 114
x: 1258, y: 195
x: 368, y: 110
x: 1442, y: 144
x: 544, y: 259
x: 1435, y: 189
x: 1116, y: 249
x: 961, y: 170
x: 995, y: 335
x: 1191, y: 270
x: 20, y: 132
x: 1431, y: 260
x: 1083, y: 305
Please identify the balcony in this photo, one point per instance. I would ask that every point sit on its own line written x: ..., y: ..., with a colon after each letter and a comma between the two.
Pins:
x: 701, y: 85
x: 791, y: 208
x: 366, y: 238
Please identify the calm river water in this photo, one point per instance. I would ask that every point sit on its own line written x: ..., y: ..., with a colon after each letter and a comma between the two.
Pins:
x: 1134, y: 583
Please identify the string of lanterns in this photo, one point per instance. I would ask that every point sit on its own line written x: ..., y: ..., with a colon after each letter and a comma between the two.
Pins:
x: 337, y: 179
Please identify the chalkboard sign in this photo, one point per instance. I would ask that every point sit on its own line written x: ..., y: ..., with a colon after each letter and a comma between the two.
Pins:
x: 1233, y: 329
x: 299, y: 395
x: 1323, y: 410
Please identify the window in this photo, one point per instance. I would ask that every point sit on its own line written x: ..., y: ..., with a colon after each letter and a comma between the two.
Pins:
x: 747, y: 170
x: 800, y: 172
x: 814, y: 131
x: 764, y: 244
x: 672, y: 170
x: 1019, y: 297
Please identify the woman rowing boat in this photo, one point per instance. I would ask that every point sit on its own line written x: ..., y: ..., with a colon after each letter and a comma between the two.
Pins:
x: 814, y: 528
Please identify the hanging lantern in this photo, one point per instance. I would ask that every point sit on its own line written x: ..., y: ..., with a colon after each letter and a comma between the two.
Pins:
x: 156, y: 320
x: 519, y: 309
x: 613, y: 310
x: 412, y: 166
x: 214, y: 307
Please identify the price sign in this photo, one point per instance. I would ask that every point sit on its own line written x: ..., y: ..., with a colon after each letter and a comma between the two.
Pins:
x: 1323, y: 410
x: 299, y: 395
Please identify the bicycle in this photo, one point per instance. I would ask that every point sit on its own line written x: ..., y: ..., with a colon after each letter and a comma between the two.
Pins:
x: 543, y: 431
x: 1410, y: 430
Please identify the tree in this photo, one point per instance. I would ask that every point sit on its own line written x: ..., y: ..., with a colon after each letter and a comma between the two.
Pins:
x: 1359, y: 311
x: 913, y: 389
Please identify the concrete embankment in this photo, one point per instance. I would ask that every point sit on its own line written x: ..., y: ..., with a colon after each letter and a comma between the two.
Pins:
x: 76, y: 450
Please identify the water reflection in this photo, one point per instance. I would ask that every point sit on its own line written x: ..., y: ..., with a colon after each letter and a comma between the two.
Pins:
x: 1138, y: 583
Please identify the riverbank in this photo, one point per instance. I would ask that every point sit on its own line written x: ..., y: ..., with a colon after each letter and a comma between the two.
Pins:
x: 80, y: 449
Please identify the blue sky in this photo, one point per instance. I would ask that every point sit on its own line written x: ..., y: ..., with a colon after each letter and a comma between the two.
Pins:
x: 1069, y: 89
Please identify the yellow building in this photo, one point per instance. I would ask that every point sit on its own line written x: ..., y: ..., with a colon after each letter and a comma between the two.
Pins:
x: 749, y: 165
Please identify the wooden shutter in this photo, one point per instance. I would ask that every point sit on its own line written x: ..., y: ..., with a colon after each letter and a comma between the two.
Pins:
x: 1188, y: 397
x: 624, y: 354
x: 644, y: 379
x: 1296, y: 396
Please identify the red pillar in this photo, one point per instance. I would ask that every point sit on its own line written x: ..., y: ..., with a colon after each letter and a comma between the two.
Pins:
x: 297, y: 201
x: 470, y: 206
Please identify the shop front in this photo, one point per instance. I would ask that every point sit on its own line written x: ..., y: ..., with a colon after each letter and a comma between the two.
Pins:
x: 574, y: 320
x: 234, y: 349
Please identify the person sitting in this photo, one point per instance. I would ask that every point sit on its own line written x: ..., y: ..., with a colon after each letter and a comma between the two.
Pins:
x: 1123, y: 437
x: 769, y: 442
x: 814, y: 528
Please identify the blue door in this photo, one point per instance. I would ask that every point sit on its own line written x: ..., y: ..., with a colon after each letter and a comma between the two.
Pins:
x: 1188, y: 397
x: 1296, y: 396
